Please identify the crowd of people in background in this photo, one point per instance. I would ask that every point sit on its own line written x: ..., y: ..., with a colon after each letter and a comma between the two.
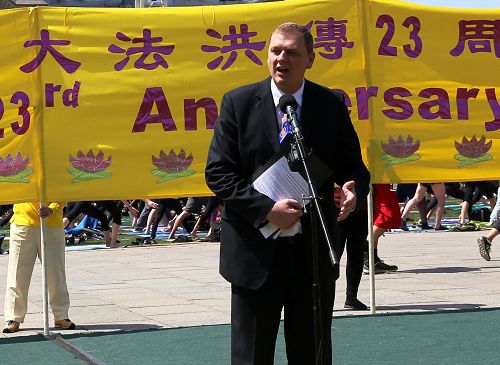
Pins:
x: 145, y: 215
x: 392, y: 207
x: 194, y: 213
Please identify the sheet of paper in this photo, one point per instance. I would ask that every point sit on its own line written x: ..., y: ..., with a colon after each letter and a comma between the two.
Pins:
x: 279, y: 182
x: 270, y: 230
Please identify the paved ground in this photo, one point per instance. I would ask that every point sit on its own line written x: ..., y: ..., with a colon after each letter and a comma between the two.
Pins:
x: 177, y: 286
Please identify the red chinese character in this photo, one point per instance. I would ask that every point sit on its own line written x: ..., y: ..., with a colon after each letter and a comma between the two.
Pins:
x: 237, y: 42
x: 332, y: 36
x: 145, y: 51
x: 46, y: 46
x: 478, y: 34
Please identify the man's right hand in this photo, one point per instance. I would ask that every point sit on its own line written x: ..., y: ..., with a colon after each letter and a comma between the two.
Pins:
x: 285, y: 213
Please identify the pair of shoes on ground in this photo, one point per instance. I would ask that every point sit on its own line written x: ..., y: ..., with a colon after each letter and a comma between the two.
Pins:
x: 484, y: 247
x: 144, y: 241
x: 466, y: 227
x: 355, y: 304
x: 182, y: 238
x: 66, y: 324
x: 380, y: 267
x: 112, y: 245
x: 425, y: 225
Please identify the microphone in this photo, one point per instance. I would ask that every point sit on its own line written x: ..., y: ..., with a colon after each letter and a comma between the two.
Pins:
x: 288, y: 105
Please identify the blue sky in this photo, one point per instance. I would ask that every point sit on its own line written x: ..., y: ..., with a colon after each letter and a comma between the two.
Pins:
x: 460, y: 3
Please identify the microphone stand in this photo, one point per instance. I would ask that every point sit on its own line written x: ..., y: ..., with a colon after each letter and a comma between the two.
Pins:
x: 297, y: 152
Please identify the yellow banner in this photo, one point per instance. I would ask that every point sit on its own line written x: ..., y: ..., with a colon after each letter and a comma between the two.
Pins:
x: 121, y: 103
x: 433, y: 91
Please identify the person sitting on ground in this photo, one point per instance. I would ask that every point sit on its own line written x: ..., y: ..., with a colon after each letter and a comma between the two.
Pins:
x: 25, y: 246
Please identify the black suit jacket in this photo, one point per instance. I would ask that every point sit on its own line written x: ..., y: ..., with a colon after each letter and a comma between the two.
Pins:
x: 245, y: 138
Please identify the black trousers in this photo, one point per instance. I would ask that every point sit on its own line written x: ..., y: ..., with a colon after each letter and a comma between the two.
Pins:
x: 73, y: 209
x: 255, y: 314
x: 353, y: 232
x: 165, y: 205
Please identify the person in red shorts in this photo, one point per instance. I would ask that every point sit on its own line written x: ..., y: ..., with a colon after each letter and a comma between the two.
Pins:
x: 386, y: 216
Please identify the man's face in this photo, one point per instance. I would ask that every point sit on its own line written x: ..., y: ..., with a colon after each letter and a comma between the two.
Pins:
x: 288, y: 60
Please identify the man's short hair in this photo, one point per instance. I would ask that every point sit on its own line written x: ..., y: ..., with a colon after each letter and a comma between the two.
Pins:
x: 294, y: 27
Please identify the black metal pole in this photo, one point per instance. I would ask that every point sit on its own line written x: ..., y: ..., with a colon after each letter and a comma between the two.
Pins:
x: 316, y: 293
x: 314, y: 198
x: 314, y: 211
x: 288, y: 105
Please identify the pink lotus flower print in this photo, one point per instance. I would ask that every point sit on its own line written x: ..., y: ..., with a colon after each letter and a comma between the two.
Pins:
x: 400, y: 150
x: 172, y: 166
x: 472, y: 151
x: 89, y: 166
x: 15, y: 169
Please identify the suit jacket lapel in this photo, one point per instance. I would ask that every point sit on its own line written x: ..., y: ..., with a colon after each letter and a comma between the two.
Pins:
x: 308, y: 113
x: 265, y: 105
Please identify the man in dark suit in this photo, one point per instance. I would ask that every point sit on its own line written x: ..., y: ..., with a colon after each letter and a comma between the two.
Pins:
x: 268, y: 275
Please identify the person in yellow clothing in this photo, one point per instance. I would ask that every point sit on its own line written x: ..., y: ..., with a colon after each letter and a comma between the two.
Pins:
x: 24, y: 248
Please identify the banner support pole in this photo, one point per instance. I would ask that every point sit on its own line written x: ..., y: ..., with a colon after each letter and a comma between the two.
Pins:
x: 371, y: 252
x: 363, y: 21
x: 43, y: 256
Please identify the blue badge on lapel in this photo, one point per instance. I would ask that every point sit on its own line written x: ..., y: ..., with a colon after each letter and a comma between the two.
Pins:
x: 286, y: 130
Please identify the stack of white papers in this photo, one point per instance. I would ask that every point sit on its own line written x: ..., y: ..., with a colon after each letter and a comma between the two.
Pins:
x: 278, y: 182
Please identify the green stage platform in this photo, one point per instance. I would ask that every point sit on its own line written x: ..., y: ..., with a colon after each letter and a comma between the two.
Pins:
x: 451, y: 337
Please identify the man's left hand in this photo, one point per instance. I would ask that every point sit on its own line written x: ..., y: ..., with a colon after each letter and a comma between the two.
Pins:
x: 44, y: 212
x: 347, y: 200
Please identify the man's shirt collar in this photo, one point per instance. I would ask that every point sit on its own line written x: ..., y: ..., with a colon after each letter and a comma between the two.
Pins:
x: 277, y: 93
